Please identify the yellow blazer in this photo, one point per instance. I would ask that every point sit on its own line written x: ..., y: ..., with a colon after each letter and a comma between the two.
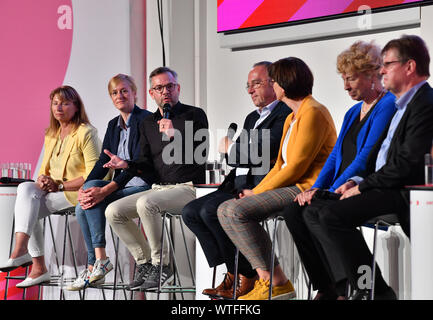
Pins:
x: 311, y: 141
x: 80, y: 155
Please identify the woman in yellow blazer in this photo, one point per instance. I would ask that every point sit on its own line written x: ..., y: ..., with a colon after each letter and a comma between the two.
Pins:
x: 308, y: 138
x: 71, y: 148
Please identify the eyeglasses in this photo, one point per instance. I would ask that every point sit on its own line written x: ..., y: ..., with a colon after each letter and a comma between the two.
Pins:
x: 387, y: 64
x: 255, y: 84
x: 169, y: 86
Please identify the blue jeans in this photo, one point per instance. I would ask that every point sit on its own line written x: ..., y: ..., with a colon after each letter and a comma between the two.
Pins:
x: 92, y: 221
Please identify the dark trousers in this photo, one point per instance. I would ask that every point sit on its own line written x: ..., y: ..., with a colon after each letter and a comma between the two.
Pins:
x: 200, y: 216
x: 339, y: 221
x: 303, y: 224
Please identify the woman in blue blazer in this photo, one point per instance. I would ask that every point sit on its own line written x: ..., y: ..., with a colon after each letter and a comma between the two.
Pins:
x: 362, y: 126
x: 121, y: 138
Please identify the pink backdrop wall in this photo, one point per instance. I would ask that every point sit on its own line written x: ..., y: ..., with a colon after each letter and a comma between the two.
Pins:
x: 36, y: 40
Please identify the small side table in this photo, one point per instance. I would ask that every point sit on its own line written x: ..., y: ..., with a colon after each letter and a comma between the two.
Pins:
x: 421, y: 238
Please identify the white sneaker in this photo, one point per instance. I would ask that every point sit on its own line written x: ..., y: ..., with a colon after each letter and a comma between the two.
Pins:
x: 100, y: 269
x: 82, y: 281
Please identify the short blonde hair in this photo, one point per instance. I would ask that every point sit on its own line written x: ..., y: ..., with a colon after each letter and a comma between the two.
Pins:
x: 361, y: 57
x: 122, y: 78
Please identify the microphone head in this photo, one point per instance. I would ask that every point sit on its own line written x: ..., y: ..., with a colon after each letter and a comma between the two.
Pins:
x: 231, y: 131
x: 233, y: 126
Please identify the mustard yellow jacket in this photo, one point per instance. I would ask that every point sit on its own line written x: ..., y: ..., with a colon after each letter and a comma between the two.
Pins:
x: 80, y: 155
x: 311, y: 141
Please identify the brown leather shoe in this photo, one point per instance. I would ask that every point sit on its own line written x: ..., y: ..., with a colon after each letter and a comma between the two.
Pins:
x: 225, y: 285
x: 244, y: 286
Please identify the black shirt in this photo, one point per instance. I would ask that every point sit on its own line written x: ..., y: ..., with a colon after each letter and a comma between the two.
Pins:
x: 349, y: 145
x: 181, y: 159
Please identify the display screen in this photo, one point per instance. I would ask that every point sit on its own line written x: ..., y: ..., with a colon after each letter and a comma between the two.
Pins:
x: 237, y: 15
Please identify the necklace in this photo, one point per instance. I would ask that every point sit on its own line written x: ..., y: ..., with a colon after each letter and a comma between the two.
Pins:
x: 372, y: 104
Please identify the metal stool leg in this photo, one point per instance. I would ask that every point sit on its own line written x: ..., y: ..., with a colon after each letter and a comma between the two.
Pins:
x: 272, y: 257
x: 10, y: 252
x: 161, y: 253
x: 214, y: 276
x: 176, y: 270
x: 116, y: 265
x: 235, y: 275
x: 187, y: 251
x: 74, y: 257
x: 373, y: 273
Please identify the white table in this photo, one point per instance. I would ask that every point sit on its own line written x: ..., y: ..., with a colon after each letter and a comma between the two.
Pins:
x: 421, y: 230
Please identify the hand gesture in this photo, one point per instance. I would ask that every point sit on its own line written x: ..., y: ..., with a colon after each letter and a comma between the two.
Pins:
x: 305, y: 197
x: 351, y: 192
x: 166, y: 127
x: 46, y: 183
x: 90, y: 197
x: 224, y: 145
x: 246, y: 193
x: 346, y: 186
x: 115, y: 162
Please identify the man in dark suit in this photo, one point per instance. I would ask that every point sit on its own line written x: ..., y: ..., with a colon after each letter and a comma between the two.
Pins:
x: 259, y: 139
x: 400, y: 162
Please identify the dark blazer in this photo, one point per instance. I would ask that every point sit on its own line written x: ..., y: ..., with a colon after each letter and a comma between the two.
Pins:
x: 188, y: 149
x: 412, y: 139
x: 274, y: 122
x: 111, y: 142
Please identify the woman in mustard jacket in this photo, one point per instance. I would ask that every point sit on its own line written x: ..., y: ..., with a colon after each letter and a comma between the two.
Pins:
x: 308, y: 138
x: 71, y: 150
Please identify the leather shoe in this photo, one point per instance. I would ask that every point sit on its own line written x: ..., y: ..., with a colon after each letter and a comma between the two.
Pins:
x: 226, y: 284
x: 388, y: 294
x: 28, y: 282
x: 22, y: 261
x: 244, y: 286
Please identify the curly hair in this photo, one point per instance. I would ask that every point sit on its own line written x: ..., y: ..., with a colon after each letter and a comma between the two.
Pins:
x: 361, y: 57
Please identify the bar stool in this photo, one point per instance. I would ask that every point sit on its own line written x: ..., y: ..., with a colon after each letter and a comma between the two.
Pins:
x: 177, y: 287
x: 276, y: 219
x: 67, y: 236
x: 379, y: 223
x: 8, y: 275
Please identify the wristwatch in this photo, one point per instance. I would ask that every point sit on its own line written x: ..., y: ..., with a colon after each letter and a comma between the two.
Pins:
x: 60, y: 186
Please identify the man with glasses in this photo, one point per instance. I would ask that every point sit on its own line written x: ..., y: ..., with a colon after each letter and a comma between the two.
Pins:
x: 173, y: 153
x: 262, y: 132
x: 400, y: 162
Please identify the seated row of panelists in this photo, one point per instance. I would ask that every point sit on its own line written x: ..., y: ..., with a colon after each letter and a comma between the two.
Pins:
x: 301, y: 145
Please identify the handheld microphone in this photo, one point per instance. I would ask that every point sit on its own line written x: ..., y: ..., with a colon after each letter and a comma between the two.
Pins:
x: 166, y: 111
x: 231, y: 131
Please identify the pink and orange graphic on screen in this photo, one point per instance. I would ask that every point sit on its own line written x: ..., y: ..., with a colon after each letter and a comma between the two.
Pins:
x: 240, y: 14
x: 36, y: 39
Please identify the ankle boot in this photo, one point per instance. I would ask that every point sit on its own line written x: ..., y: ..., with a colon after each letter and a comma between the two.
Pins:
x: 244, y: 286
x: 226, y: 284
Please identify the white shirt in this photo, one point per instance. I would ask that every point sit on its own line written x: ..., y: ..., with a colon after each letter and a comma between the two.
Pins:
x: 264, y: 113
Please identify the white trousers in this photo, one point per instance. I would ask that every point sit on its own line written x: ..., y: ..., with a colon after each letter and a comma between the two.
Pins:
x: 33, y: 204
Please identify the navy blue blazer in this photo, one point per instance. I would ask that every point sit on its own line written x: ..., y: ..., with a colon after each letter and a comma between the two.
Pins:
x: 111, y: 142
